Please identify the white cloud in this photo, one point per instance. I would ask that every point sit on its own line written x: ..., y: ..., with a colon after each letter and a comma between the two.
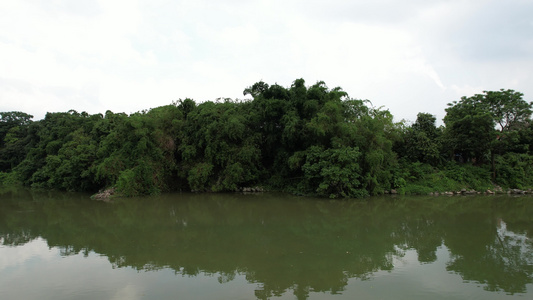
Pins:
x: 127, y: 56
x: 16, y: 256
x: 129, y: 292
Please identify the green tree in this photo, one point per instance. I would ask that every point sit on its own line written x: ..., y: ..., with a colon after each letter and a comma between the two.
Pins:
x: 333, y: 172
x: 64, y: 153
x: 138, y: 152
x: 509, y: 110
x: 15, y: 138
x: 69, y: 169
x: 375, y: 134
x: 469, y: 132
x: 486, y: 125
x: 11, y: 119
x: 219, y: 149
x: 421, y: 141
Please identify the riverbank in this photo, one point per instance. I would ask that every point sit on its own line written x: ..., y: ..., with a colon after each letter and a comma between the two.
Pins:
x: 110, y: 193
x: 474, y: 192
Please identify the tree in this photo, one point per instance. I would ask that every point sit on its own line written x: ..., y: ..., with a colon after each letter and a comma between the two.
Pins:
x: 12, y: 119
x: 13, y: 133
x: 469, y: 129
x: 333, y: 172
x: 487, y: 124
x: 422, y: 140
x: 509, y: 111
x: 16, y: 138
x: 219, y: 148
x: 374, y: 135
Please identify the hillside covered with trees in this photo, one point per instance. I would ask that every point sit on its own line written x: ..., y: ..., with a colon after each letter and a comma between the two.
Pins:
x: 309, y: 140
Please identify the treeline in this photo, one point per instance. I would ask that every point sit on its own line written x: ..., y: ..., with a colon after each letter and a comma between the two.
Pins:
x: 302, y: 139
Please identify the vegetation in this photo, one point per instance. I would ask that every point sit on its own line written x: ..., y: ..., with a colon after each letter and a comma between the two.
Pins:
x: 303, y: 139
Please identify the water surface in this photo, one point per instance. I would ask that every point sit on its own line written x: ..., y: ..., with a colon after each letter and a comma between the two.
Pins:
x: 264, y: 246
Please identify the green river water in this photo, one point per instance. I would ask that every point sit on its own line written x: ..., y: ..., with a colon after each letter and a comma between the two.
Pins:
x: 56, y: 245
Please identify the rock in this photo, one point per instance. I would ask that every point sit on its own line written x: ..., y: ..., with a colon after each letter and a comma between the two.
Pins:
x: 516, y: 191
x: 104, y: 195
x: 255, y: 189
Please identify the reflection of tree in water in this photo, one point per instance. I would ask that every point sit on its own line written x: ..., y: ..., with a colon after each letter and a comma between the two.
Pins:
x: 16, y: 204
x: 284, y: 244
x: 17, y: 238
x: 505, y: 263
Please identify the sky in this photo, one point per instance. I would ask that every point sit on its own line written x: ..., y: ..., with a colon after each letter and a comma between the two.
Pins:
x: 406, y: 56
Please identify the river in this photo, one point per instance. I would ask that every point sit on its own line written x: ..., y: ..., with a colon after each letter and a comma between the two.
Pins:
x: 56, y: 245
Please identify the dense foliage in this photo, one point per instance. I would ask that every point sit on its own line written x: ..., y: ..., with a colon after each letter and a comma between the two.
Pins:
x: 304, y: 139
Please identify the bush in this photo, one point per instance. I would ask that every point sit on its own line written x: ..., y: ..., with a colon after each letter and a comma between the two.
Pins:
x: 421, y: 178
x: 514, y: 170
x: 140, y: 180
x: 10, y: 178
x: 333, y: 172
x: 415, y: 189
x: 469, y: 176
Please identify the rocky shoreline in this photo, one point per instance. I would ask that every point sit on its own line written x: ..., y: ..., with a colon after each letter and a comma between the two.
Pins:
x: 109, y: 193
x: 497, y: 190
x: 104, y: 195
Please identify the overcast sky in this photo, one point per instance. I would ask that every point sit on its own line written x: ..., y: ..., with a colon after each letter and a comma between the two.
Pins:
x: 408, y: 56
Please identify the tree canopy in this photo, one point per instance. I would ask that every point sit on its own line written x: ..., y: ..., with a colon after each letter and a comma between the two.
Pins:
x: 304, y: 139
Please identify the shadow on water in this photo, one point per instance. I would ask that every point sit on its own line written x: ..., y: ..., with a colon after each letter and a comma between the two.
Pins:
x: 280, y: 241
